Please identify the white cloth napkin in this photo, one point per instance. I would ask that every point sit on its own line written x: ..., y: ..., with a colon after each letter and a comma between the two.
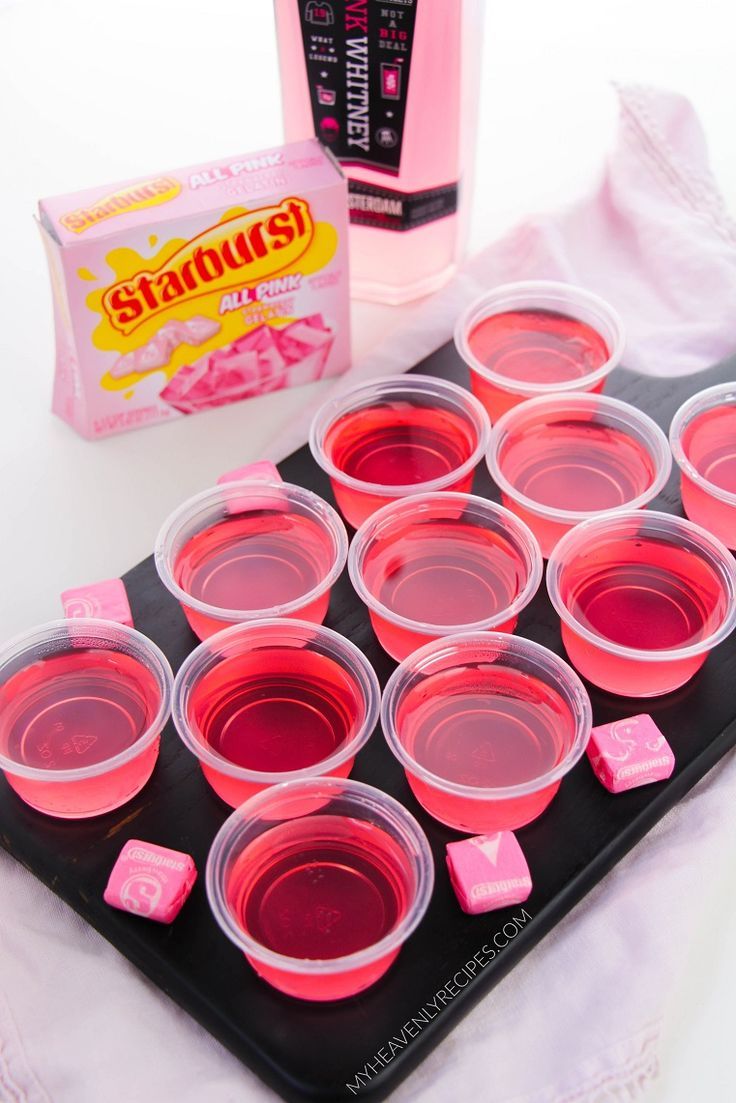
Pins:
x: 588, y: 1015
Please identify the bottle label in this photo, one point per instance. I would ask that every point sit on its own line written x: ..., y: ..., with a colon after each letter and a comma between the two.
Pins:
x: 387, y: 209
x: 358, y: 57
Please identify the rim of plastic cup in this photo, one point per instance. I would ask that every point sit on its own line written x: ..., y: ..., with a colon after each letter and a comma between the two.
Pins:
x: 661, y: 524
x: 724, y: 394
x: 567, y: 682
x: 363, y: 796
x: 223, y: 492
x: 628, y: 418
x: 342, y: 651
x: 57, y: 632
x: 417, y: 503
x: 351, y: 400
x: 563, y: 298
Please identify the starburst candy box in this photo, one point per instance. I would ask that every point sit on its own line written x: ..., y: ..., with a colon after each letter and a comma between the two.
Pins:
x: 191, y: 289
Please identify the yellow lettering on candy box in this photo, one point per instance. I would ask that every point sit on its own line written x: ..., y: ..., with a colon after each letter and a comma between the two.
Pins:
x: 148, y: 193
x: 234, y: 285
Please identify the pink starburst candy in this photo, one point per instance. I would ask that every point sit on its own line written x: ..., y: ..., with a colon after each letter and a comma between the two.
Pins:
x: 150, y: 881
x: 488, y: 872
x: 107, y: 600
x: 629, y: 753
x: 262, y: 471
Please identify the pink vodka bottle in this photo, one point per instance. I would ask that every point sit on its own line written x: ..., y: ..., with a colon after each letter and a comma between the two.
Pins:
x: 391, y: 88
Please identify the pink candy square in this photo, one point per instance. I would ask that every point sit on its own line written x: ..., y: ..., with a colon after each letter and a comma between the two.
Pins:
x: 488, y: 872
x: 629, y: 753
x: 151, y: 881
x: 107, y: 600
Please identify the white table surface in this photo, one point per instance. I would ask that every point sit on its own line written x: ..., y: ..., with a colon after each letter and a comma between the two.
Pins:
x: 92, y: 91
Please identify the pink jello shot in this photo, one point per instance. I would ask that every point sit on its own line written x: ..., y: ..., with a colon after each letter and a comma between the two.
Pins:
x: 486, y: 725
x: 539, y: 337
x: 401, y: 435
x: 488, y: 872
x: 319, y: 882
x: 703, y: 439
x: 82, y: 706
x: 248, y: 549
x: 560, y: 459
x: 435, y: 564
x: 267, y: 702
x: 629, y: 753
x: 643, y: 598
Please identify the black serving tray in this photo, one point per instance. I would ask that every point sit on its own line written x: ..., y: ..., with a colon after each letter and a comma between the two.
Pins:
x: 307, y: 1051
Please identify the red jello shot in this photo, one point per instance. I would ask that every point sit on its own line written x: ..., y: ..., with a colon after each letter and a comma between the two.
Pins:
x: 401, y: 435
x: 267, y: 702
x: 486, y: 725
x: 703, y: 439
x: 539, y: 337
x: 560, y: 459
x: 643, y: 598
x: 245, y: 550
x: 435, y: 564
x: 319, y: 882
x: 82, y: 706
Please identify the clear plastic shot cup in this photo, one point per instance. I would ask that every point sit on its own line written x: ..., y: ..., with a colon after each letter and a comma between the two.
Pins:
x: 703, y: 439
x: 272, y: 701
x: 486, y: 725
x: 245, y: 550
x: 435, y: 564
x: 521, y: 340
x: 319, y: 882
x: 560, y: 459
x: 388, y: 438
x: 82, y: 706
x: 643, y: 598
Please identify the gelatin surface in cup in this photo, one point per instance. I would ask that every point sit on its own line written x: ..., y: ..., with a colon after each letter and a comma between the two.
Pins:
x: 265, y: 702
x: 248, y: 549
x: 486, y: 727
x: 255, y: 561
x: 536, y: 337
x: 538, y: 346
x: 66, y: 714
x: 435, y: 564
x: 397, y: 444
x: 320, y: 887
x: 319, y: 881
x: 398, y: 436
x: 704, y: 444
x: 710, y: 445
x: 559, y: 459
x: 642, y: 598
x: 276, y: 710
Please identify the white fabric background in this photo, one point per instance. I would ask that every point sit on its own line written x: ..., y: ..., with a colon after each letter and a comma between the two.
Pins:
x: 592, y: 1013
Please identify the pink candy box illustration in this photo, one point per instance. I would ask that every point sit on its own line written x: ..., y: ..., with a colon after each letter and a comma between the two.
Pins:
x: 266, y: 359
x: 207, y: 285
